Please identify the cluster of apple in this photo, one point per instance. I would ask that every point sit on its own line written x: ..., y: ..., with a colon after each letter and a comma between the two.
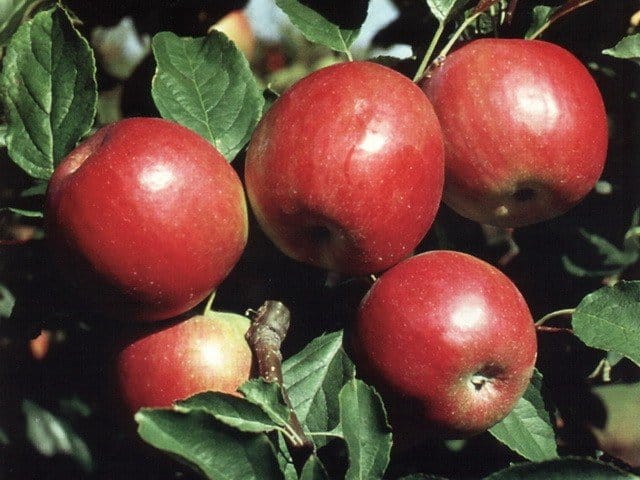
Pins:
x: 346, y: 171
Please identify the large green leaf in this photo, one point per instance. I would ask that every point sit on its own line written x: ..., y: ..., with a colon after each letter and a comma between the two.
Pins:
x: 267, y: 396
x: 208, y: 446
x: 313, y: 379
x: 52, y: 436
x: 628, y: 48
x: 317, y: 28
x: 608, y: 319
x: 50, y: 91
x: 443, y: 10
x: 365, y: 430
x: 562, y: 469
x: 230, y: 410
x: 527, y: 430
x: 206, y: 85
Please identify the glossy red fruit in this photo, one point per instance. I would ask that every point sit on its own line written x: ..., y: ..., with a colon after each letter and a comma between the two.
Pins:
x: 449, y: 342
x: 525, y: 130
x: 147, y: 217
x: 203, y: 353
x: 345, y: 170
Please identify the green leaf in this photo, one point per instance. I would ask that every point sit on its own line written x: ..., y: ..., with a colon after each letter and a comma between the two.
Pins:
x: 543, y: 16
x: 314, y: 470
x: 23, y: 213
x: 313, y: 379
x: 52, y: 436
x: 562, y: 469
x: 230, y: 410
x: 317, y: 28
x: 443, y: 10
x: 628, y: 48
x: 7, y: 302
x: 365, y: 430
x: 284, y: 459
x: 12, y: 13
x: 206, y: 85
x: 607, y: 319
x: 267, y: 396
x: 578, y: 271
x: 209, y: 447
x: 50, y: 91
x: 527, y: 430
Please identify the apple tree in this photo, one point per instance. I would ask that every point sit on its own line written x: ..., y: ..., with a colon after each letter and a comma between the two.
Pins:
x: 292, y: 239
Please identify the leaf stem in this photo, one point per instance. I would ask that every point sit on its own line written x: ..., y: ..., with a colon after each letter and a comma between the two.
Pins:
x: 349, y: 55
x: 557, y: 313
x: 427, y: 56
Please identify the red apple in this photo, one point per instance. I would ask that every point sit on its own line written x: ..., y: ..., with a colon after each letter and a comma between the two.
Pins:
x: 147, y: 217
x: 236, y: 26
x: 449, y: 342
x: 203, y: 353
x: 525, y: 130
x: 345, y: 170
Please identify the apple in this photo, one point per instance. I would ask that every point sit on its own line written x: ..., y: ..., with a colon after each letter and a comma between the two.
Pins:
x: 147, y: 218
x: 202, y: 353
x: 237, y: 27
x: 525, y: 130
x: 345, y: 170
x: 449, y: 342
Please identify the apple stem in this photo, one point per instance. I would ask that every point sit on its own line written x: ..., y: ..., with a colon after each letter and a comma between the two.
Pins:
x: 557, y: 313
x: 207, y: 307
x: 427, y: 56
x: 268, y: 330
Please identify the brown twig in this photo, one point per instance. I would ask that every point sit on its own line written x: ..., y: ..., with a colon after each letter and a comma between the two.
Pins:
x: 268, y: 330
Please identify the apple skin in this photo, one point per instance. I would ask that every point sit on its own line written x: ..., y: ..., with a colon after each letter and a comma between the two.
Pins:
x: 345, y: 171
x: 525, y: 130
x: 449, y: 342
x: 147, y: 218
x: 237, y: 27
x: 202, y: 353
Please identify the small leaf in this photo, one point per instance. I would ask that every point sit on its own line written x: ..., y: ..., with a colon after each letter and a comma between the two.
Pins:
x: 230, y: 410
x: 50, y: 91
x: 527, y: 430
x: 314, y: 470
x: 628, y: 48
x: 365, y: 430
x: 581, y: 272
x: 51, y: 436
x: 443, y: 10
x: 607, y: 319
x: 317, y: 28
x: 23, y: 213
x: 284, y: 459
x: 206, y: 85
x: 214, y: 450
x: 7, y: 302
x: 543, y: 16
x: 313, y: 379
x: 562, y: 469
